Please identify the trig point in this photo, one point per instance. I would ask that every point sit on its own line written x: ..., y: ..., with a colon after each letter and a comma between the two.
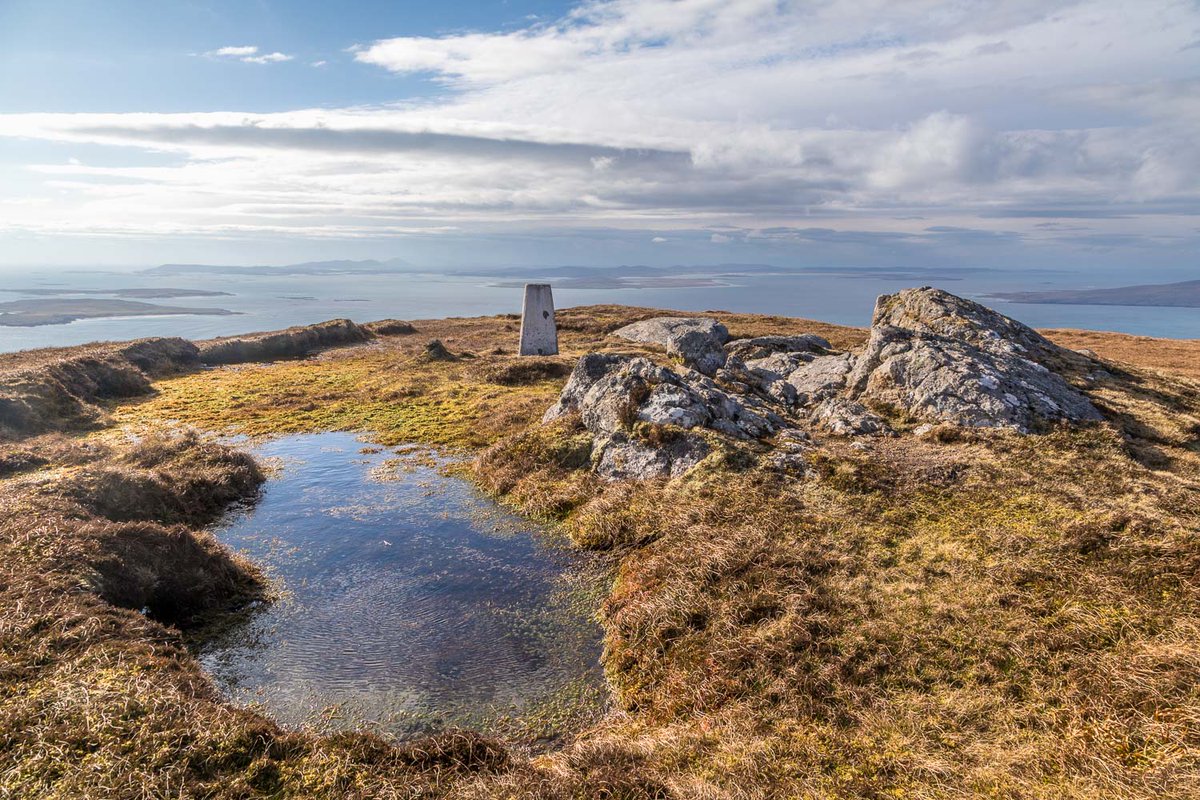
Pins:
x: 539, y: 336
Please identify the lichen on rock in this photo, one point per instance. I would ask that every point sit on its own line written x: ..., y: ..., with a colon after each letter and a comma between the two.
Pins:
x: 698, y: 342
x: 931, y: 357
x: 941, y: 358
x: 764, y: 346
x: 613, y: 394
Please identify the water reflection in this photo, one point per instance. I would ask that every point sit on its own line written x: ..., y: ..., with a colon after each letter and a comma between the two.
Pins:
x: 409, y: 603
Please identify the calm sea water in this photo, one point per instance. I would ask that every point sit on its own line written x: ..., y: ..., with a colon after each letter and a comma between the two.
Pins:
x: 409, y: 602
x: 267, y: 303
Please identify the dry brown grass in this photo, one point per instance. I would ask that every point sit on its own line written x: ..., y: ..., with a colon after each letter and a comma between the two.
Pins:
x: 1173, y: 356
x: 960, y: 615
x: 100, y: 560
x: 47, y: 390
x: 59, y: 389
x: 987, y: 617
x: 957, y: 615
x: 294, y: 342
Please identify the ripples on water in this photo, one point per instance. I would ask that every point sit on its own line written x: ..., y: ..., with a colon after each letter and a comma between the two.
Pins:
x: 409, y: 603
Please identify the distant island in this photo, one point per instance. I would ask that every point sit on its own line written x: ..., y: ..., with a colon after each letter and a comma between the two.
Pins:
x: 59, y: 311
x: 343, y: 267
x: 143, y: 294
x: 1184, y: 294
x: 625, y: 276
x: 618, y: 282
x: 691, y: 276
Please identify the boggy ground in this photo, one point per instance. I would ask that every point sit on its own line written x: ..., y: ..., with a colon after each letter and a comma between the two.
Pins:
x: 959, y: 614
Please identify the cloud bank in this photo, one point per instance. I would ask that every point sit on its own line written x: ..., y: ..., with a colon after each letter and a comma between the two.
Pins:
x: 735, y: 120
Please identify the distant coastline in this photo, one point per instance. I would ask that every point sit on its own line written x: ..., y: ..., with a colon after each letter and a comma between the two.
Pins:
x: 625, y: 283
x: 1184, y: 294
x: 342, y: 267
x: 626, y: 276
x: 32, y: 313
x: 164, y: 293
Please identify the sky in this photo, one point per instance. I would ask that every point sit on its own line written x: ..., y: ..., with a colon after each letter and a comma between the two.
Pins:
x: 1022, y: 133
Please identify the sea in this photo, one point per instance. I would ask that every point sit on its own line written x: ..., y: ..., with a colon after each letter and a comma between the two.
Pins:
x: 270, y: 302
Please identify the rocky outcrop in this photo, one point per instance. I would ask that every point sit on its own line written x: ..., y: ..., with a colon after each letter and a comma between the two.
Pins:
x: 820, y: 378
x: 931, y: 357
x: 763, y: 346
x: 695, y: 341
x: 625, y: 458
x: 941, y: 358
x: 846, y: 417
x: 613, y: 394
x: 934, y: 312
x: 760, y: 380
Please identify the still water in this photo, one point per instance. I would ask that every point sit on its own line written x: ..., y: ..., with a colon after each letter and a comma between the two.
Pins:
x: 408, y: 603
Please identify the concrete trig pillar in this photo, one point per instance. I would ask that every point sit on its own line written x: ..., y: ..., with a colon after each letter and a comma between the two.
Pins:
x: 539, y: 336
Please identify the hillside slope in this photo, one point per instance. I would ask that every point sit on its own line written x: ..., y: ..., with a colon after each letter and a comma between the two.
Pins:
x: 945, y: 612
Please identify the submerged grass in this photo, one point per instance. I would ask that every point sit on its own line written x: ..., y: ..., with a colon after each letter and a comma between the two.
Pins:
x: 959, y: 614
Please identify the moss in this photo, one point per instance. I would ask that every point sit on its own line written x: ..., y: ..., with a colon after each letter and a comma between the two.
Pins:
x: 398, y: 401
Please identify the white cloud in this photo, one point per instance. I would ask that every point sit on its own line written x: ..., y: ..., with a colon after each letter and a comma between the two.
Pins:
x: 320, y: 63
x: 731, y: 115
x: 233, y: 52
x: 249, y: 54
x: 267, y: 58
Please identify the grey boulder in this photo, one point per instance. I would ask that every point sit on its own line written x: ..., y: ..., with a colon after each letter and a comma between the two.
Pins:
x: 763, y: 346
x: 765, y: 378
x: 936, y: 312
x: 695, y: 341
x: 820, y: 378
x: 614, y: 393
x: 625, y: 459
x: 846, y: 417
x: 942, y: 358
